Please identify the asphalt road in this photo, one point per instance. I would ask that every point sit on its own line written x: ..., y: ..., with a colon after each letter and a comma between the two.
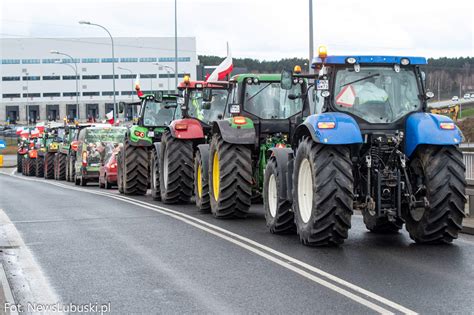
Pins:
x: 95, y: 246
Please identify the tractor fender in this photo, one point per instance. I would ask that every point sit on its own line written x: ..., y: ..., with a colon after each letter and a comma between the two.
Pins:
x: 204, y: 151
x: 193, y: 129
x: 345, y: 131
x: 282, y: 157
x: 234, y: 135
x: 22, y: 151
x: 424, y: 128
x: 138, y: 136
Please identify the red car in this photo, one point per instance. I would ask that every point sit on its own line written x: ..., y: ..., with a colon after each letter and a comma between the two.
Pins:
x: 108, y: 171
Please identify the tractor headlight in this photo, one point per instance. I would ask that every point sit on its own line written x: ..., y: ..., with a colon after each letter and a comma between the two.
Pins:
x: 351, y: 60
x: 301, y: 81
x: 405, y: 61
x: 255, y: 80
x: 249, y: 80
x: 295, y: 80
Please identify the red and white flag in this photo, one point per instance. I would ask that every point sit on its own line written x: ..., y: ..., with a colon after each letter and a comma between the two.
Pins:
x: 110, y: 117
x: 222, y: 70
x: 137, y: 87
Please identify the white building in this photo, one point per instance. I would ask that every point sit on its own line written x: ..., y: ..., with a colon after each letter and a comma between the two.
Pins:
x: 38, y: 85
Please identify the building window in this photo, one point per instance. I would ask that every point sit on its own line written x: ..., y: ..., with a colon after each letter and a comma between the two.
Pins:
x: 51, y: 94
x: 10, y: 61
x: 109, y: 76
x: 90, y: 60
x: 127, y: 92
x: 148, y: 59
x: 31, y: 78
x: 69, y: 94
x: 30, y: 61
x: 128, y: 76
x: 128, y: 59
x: 109, y: 59
x: 90, y: 77
x: 69, y: 60
x: 50, y: 60
x: 109, y: 93
x: 172, y: 59
x: 10, y: 78
x: 51, y: 77
x: 11, y: 95
x: 147, y: 76
x: 171, y: 75
x: 90, y: 93
x: 31, y: 94
x: 71, y: 77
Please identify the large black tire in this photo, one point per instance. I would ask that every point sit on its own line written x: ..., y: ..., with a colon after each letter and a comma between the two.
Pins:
x: 49, y: 165
x: 201, y: 182
x: 61, y: 167
x: 19, y: 163
x: 39, y: 169
x: 55, y: 168
x: 77, y: 181
x: 442, y: 171
x: 29, y: 170
x: 230, y: 178
x: 278, y: 214
x: 23, y: 165
x: 120, y: 170
x: 134, y: 169
x: 323, y: 187
x: 176, y: 171
x: 155, y: 175
x: 72, y: 168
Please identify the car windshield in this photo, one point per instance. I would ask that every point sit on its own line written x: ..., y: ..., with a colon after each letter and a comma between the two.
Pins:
x: 268, y: 101
x: 113, y: 134
x: 216, y: 108
x: 158, y: 114
x: 377, y: 94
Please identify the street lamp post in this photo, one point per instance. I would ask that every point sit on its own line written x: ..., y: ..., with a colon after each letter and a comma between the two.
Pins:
x: 311, y: 53
x: 176, y: 43
x: 113, y: 61
x: 167, y: 71
x: 77, y: 77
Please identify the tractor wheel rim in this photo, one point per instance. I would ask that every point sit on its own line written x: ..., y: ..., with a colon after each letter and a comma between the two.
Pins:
x: 305, y: 190
x: 215, y: 175
x: 272, y: 195
x: 199, y: 180
x: 165, y: 170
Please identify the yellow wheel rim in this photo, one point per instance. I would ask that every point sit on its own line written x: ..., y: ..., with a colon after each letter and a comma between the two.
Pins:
x: 199, y: 181
x: 215, y: 176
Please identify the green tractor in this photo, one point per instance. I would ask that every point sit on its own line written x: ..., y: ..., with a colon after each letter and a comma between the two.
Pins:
x: 48, y: 147
x: 61, y: 157
x: 155, y: 113
x: 259, y: 116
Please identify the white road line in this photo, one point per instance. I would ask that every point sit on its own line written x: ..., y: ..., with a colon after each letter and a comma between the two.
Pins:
x: 285, y: 261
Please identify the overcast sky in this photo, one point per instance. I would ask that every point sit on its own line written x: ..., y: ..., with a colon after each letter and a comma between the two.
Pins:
x: 263, y: 29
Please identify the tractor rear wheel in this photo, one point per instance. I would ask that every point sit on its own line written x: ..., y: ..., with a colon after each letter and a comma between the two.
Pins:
x: 72, y: 168
x: 201, y: 181
x: 278, y: 214
x: 176, y: 172
x: 31, y: 167
x: 19, y: 163
x: 322, y: 193
x: 135, y: 169
x: 24, y: 161
x: 49, y: 165
x: 230, y: 178
x: 39, y: 166
x: 441, y: 171
x: 62, y: 167
x: 55, y: 168
x: 120, y: 170
x: 155, y: 175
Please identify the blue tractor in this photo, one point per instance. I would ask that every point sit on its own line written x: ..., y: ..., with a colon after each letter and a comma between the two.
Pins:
x: 370, y: 145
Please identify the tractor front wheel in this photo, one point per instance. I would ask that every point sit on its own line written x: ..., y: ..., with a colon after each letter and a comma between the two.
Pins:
x: 134, y: 173
x: 230, y: 178
x: 49, y: 166
x: 155, y: 175
x: 278, y: 213
x: 322, y: 193
x: 442, y: 174
x: 176, y: 173
x: 19, y: 163
x: 62, y: 167
x: 39, y: 166
x: 201, y: 180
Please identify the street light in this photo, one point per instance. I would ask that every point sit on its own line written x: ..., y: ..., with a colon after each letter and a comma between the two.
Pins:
x: 167, y: 70
x: 176, y: 43
x: 77, y: 75
x: 131, y: 79
x: 113, y: 61
x: 310, y: 35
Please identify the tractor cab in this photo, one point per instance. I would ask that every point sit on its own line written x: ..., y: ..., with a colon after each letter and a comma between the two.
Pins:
x: 202, y: 100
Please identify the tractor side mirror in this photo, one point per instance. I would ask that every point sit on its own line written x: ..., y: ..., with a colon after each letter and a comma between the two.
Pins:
x: 121, y: 107
x: 207, y: 95
x: 206, y: 105
x: 429, y: 95
x: 159, y: 96
x: 286, y: 80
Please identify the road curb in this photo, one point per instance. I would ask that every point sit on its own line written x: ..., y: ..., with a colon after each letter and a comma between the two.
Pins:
x: 466, y: 229
x: 6, y: 295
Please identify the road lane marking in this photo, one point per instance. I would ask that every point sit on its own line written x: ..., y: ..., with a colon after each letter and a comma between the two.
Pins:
x: 283, y: 260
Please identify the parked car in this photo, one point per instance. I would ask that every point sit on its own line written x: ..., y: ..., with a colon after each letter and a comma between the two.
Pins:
x: 455, y: 98
x: 472, y: 95
x: 467, y: 96
x: 108, y: 166
x: 91, y: 144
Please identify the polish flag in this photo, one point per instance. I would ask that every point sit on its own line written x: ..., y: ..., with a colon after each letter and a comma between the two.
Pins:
x: 110, y: 117
x: 137, y: 87
x: 35, y: 133
x: 19, y: 130
x: 222, y: 70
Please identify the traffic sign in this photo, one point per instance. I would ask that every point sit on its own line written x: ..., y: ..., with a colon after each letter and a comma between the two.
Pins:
x: 3, y: 145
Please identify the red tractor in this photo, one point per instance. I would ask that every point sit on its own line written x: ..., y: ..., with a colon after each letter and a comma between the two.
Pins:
x: 181, y: 142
